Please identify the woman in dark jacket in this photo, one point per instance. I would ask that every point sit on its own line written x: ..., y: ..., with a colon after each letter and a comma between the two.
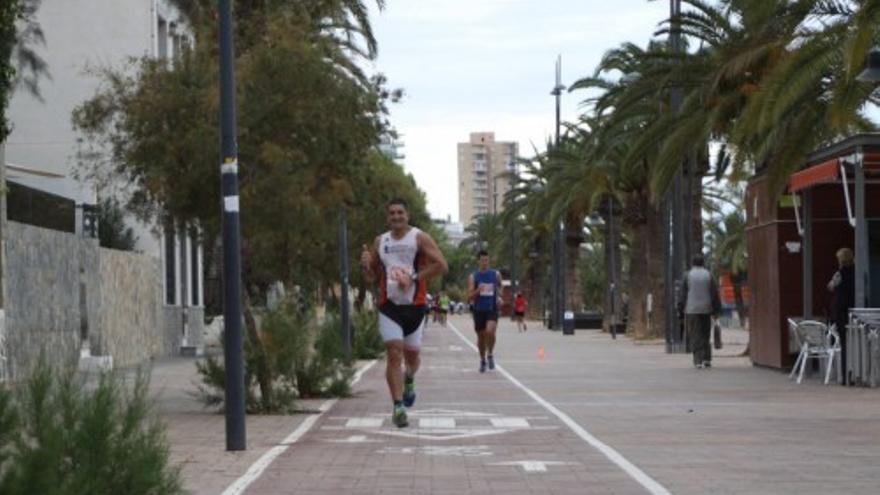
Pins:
x: 843, y: 287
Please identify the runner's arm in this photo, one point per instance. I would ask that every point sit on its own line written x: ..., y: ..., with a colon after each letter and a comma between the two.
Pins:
x: 436, y: 261
x: 370, y: 261
x: 471, y: 289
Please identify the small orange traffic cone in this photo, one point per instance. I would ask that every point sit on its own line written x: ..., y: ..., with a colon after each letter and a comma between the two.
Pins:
x: 541, y: 353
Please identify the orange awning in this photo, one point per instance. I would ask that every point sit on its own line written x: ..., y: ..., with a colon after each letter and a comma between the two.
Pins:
x: 817, y: 174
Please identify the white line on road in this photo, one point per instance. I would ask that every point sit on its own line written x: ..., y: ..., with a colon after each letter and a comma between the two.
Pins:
x: 629, y: 468
x: 257, y: 468
x: 534, y: 466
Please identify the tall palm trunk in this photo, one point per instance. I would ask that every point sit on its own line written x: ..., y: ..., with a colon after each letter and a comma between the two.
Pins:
x: 534, y: 289
x: 655, y: 322
x: 573, y: 287
x: 639, y: 279
x: 611, y: 314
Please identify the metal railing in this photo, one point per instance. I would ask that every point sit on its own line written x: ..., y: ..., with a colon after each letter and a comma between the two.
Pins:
x: 863, y: 347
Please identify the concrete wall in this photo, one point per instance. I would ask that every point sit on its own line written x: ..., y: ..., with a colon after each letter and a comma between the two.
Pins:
x: 42, y: 296
x: 128, y: 326
x: 60, y: 288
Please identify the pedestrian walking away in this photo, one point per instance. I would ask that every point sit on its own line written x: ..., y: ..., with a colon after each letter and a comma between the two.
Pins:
x: 519, y: 312
x: 484, y: 292
x: 444, y: 308
x: 701, y: 302
x: 402, y: 261
x: 843, y: 289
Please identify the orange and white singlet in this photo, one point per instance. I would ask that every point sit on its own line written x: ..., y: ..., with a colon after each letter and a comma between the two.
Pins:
x: 401, y: 258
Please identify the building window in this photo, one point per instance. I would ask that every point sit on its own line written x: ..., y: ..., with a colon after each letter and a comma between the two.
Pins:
x: 162, y: 39
x: 170, y: 267
x: 195, y: 271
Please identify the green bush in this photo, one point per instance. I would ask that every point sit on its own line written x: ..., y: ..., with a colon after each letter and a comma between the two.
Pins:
x: 367, y: 339
x: 325, y: 373
x: 298, y: 358
x: 59, y: 437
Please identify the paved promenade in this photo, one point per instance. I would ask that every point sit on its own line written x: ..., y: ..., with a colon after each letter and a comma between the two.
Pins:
x: 586, y: 415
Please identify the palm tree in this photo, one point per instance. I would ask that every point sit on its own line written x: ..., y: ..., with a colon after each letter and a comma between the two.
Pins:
x: 525, y: 211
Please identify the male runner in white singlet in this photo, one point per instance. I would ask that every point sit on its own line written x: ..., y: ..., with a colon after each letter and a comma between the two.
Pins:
x: 402, y: 260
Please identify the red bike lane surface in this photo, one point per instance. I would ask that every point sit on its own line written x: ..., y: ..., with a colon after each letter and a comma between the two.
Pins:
x: 469, y: 433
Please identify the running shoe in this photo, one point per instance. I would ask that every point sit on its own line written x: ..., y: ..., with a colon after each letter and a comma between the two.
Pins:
x: 482, y: 365
x: 409, y: 393
x: 398, y: 417
x: 491, y: 362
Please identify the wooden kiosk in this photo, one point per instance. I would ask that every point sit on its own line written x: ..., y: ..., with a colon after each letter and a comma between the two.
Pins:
x: 833, y: 202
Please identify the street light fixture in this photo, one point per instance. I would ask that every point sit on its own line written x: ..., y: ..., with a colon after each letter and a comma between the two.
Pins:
x: 871, y: 72
x: 559, y: 230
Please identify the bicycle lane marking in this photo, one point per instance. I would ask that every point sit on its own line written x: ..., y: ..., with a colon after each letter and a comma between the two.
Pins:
x: 256, y: 470
x: 642, y: 478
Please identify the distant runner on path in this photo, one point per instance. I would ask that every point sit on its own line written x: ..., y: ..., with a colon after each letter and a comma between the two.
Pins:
x: 402, y: 260
x: 519, y: 311
x: 484, y: 291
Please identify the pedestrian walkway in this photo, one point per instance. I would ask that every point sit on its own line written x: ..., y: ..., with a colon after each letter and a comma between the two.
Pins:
x: 566, y: 414
x: 466, y: 436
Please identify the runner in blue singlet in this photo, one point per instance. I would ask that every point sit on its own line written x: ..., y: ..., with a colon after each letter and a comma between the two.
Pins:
x: 484, y: 291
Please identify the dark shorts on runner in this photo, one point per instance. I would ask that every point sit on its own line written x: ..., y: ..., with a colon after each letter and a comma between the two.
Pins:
x: 519, y: 313
x: 408, y: 317
x: 483, y: 317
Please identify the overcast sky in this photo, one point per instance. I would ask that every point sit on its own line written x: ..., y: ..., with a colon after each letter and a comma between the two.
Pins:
x: 487, y: 65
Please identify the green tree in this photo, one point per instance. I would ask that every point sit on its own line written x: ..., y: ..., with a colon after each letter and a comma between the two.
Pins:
x: 308, y: 123
x: 20, y: 65
x: 112, y: 230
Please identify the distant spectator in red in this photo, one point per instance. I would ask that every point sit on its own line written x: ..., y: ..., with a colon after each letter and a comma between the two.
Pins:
x: 519, y: 312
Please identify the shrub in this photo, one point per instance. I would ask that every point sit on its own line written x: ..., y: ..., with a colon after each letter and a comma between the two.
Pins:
x: 59, y: 437
x: 367, y: 339
x: 325, y: 373
x: 299, y: 357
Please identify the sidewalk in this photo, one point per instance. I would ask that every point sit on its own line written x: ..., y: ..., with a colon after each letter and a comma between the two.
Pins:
x: 631, y: 419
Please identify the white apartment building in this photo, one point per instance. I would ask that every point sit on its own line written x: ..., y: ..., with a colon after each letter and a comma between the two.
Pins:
x: 481, y: 188
x: 81, y: 36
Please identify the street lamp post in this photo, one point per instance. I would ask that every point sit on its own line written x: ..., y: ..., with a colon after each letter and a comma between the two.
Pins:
x: 233, y: 348
x: 345, y: 310
x: 558, y: 228
x: 676, y: 257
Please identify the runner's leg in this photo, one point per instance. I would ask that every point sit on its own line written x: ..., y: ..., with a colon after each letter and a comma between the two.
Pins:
x: 491, y: 325
x: 393, y: 373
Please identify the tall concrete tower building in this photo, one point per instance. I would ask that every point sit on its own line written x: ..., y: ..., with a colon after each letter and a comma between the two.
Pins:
x: 481, y: 161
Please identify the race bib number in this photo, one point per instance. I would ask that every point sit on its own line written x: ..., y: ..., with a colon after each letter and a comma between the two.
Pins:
x: 487, y: 290
x: 395, y: 293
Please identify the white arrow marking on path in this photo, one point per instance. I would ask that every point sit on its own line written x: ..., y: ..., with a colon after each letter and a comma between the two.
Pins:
x: 364, y: 423
x: 441, y: 451
x: 533, y: 466
x: 354, y: 439
x: 456, y: 348
x: 509, y: 422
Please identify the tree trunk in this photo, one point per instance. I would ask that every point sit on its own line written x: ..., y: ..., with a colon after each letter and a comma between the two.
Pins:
x: 263, y: 370
x: 654, y: 252
x: 535, y: 290
x: 697, y: 216
x: 611, y: 313
x: 573, y: 287
x: 639, y: 281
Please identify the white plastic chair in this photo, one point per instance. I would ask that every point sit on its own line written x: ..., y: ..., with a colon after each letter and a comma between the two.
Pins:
x: 817, y: 341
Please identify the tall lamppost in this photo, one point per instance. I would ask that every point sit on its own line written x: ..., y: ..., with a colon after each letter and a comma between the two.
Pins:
x: 676, y: 249
x: 558, y: 228
x: 233, y: 348
x: 514, y: 276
